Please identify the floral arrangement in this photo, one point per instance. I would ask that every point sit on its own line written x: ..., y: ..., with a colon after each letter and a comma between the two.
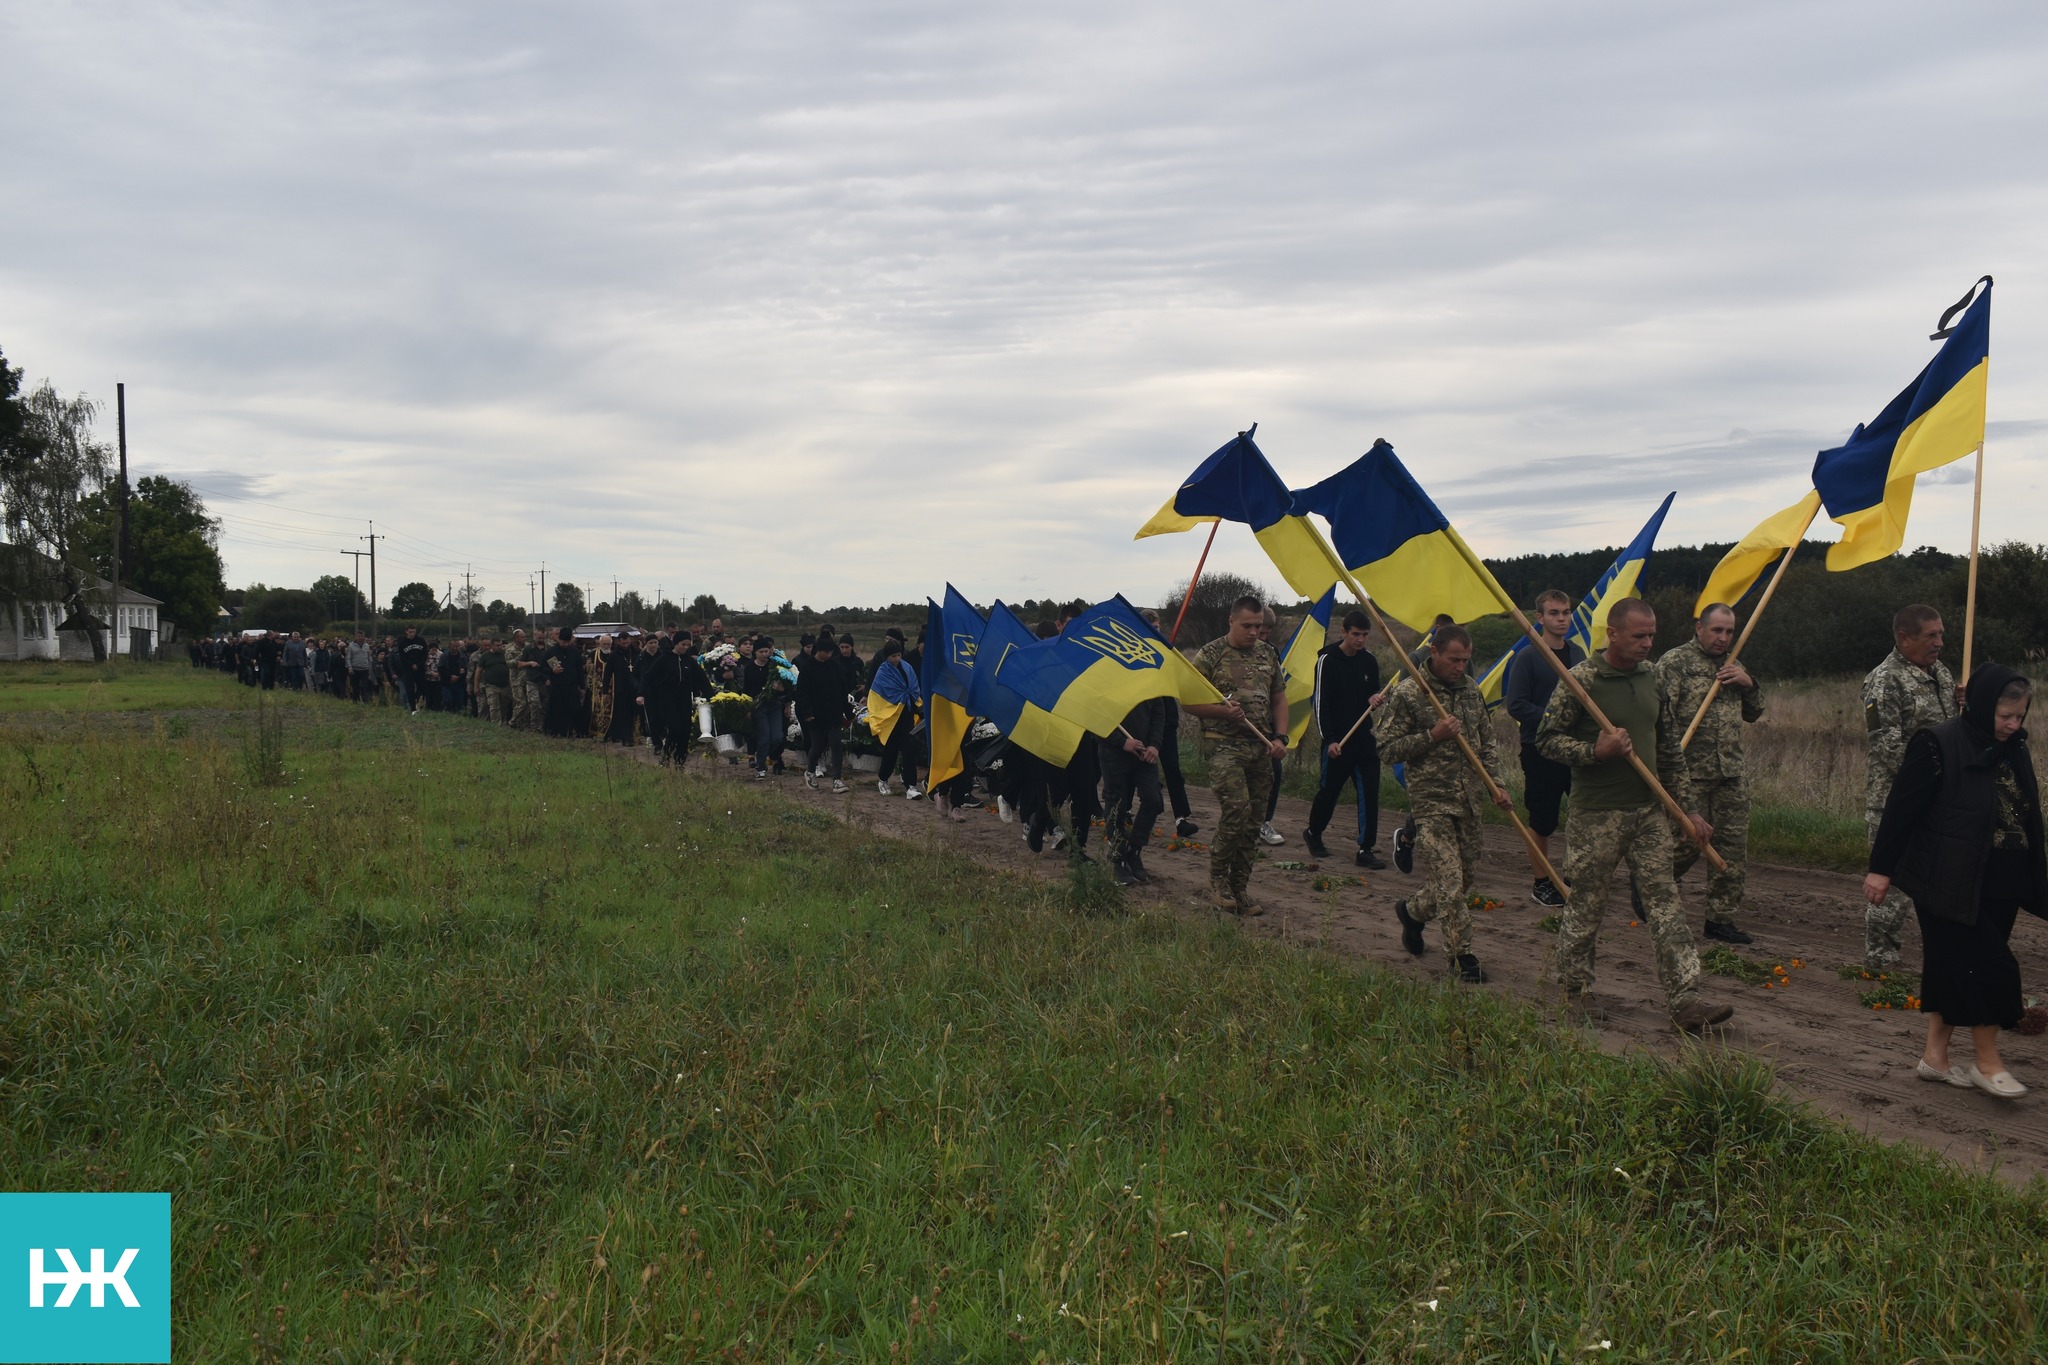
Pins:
x: 732, y: 713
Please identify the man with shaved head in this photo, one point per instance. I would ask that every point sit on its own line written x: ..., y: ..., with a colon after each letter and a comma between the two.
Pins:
x: 1617, y: 817
x: 1911, y: 691
x: 1714, y: 759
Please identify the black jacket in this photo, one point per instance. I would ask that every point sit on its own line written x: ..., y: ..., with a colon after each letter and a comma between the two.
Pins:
x: 1345, y: 686
x: 1935, y: 837
x: 821, y: 695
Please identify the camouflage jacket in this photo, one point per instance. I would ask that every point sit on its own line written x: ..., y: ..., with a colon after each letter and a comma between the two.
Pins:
x: 1687, y: 674
x: 1251, y: 677
x: 1439, y: 775
x: 1899, y: 701
x: 1635, y: 701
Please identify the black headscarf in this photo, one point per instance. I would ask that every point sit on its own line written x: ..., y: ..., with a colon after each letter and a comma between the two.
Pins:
x: 1980, y: 704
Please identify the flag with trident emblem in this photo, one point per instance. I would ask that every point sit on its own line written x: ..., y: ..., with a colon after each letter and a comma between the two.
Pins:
x: 1105, y: 662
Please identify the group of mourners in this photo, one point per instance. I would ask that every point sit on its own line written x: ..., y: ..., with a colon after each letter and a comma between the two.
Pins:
x: 1953, y: 810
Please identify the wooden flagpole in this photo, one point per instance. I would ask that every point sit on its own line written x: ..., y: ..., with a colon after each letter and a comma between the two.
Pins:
x: 1174, y: 634
x: 1564, y: 675
x: 1748, y: 626
x: 1970, y: 597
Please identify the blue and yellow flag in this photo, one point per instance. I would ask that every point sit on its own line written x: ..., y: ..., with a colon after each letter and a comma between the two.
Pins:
x: 952, y: 635
x: 1105, y: 662
x: 1589, y: 619
x: 1402, y: 550
x: 1030, y: 727
x: 1237, y: 484
x: 1867, y: 482
x: 1299, y: 663
x: 1746, y: 561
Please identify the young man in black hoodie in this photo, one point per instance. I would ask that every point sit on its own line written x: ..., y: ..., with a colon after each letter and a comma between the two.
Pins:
x: 1130, y: 767
x: 412, y: 667
x: 1527, y: 692
x: 822, y: 705
x: 1347, y: 689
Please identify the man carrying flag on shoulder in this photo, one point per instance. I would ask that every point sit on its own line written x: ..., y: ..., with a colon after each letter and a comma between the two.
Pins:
x: 1714, y: 760
x: 1347, y: 688
x: 1531, y: 681
x: 1443, y: 791
x: 1246, y: 670
x: 1616, y: 817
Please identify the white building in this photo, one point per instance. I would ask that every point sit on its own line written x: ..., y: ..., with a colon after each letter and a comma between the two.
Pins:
x: 33, y: 625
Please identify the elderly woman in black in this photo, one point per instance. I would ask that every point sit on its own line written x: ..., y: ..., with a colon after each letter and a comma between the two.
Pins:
x: 1962, y: 835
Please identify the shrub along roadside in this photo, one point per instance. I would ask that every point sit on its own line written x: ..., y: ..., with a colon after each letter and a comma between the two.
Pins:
x: 468, y: 1046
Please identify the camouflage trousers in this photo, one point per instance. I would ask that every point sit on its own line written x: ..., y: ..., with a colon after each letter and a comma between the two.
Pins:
x: 525, y: 701
x: 1448, y: 841
x: 495, y: 703
x: 1601, y: 840
x: 1725, y: 804
x: 1242, y: 777
x: 1883, y: 924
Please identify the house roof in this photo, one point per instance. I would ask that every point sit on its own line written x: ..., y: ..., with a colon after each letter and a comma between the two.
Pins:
x: 43, y: 564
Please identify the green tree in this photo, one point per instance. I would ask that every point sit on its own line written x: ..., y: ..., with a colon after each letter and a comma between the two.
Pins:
x: 1208, y: 611
x: 173, y: 549
x: 55, y: 467
x: 415, y: 602
x: 339, y: 594
x: 568, y: 608
x: 287, y: 609
x: 704, y: 608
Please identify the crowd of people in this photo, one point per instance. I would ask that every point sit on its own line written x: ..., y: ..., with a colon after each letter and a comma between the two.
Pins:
x: 1953, y: 812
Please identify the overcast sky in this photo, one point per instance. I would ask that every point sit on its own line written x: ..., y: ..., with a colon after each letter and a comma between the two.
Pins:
x: 835, y: 302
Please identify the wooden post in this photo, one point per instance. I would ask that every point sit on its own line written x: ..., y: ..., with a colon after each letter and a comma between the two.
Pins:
x: 1174, y: 634
x: 1443, y: 713
x: 1970, y: 597
x: 121, y: 522
x: 1748, y: 626
x: 1564, y: 675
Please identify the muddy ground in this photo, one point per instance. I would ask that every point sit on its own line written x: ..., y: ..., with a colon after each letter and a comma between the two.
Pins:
x: 1846, y: 1060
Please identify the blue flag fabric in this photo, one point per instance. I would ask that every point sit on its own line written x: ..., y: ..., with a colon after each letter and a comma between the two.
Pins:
x: 1105, y: 662
x: 1028, y: 726
x: 1237, y: 484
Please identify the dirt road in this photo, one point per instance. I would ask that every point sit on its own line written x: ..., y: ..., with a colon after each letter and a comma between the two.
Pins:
x: 1848, y: 1061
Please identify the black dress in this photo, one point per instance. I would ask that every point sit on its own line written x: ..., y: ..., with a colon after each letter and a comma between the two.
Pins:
x: 1968, y: 974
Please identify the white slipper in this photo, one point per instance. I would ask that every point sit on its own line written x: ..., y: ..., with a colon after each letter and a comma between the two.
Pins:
x: 1955, y: 1075
x: 2002, y: 1085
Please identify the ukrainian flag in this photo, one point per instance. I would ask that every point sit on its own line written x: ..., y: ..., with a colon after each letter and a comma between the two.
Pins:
x: 1237, y: 484
x: 952, y: 637
x: 1028, y: 726
x: 1867, y: 483
x: 1299, y: 664
x: 1402, y: 550
x: 1744, y: 564
x: 1105, y: 662
x: 1589, y: 619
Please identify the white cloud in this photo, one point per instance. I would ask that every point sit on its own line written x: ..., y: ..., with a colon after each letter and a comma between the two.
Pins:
x: 837, y: 302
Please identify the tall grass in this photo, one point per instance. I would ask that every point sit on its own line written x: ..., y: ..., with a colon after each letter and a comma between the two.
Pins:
x: 467, y: 1046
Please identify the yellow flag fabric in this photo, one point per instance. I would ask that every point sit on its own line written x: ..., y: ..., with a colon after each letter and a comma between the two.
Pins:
x: 1740, y: 568
x: 883, y: 715
x: 1298, y: 663
x: 1104, y: 663
x: 1237, y: 484
x: 949, y: 720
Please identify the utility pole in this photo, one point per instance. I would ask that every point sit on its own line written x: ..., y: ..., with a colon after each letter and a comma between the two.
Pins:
x: 529, y: 601
x: 373, y: 538
x: 121, y: 525
x: 451, y: 606
x: 659, y: 619
x: 468, y: 605
x: 358, y: 556
x: 543, y: 584
x: 615, y: 596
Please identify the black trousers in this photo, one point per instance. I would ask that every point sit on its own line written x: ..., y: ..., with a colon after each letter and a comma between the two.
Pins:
x: 1359, y: 764
x: 898, y: 746
x: 1124, y: 776
x: 818, y: 737
x: 1169, y: 763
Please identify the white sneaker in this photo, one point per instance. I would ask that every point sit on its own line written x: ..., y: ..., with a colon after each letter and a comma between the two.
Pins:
x: 1059, y: 836
x: 810, y: 779
x: 912, y: 794
x: 1005, y: 809
x: 1269, y: 835
x: 883, y: 788
x: 840, y: 788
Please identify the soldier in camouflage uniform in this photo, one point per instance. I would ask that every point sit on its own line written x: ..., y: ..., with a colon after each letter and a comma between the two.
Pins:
x: 1714, y: 759
x: 1246, y: 670
x: 1617, y: 817
x: 1444, y: 791
x: 524, y: 661
x: 1910, y: 691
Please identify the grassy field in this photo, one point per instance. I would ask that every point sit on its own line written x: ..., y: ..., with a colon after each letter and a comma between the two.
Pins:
x: 456, y: 1045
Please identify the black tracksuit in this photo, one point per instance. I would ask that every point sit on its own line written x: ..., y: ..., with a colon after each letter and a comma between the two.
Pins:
x: 1345, y: 686
x: 1125, y: 775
